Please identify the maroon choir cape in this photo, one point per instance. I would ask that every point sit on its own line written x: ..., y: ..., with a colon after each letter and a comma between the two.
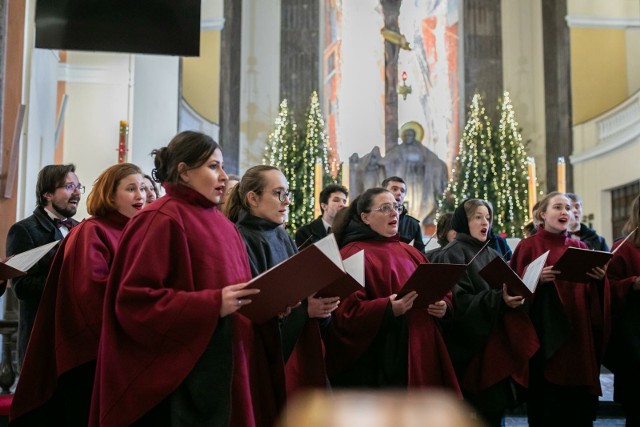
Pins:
x: 67, y: 327
x: 162, y: 307
x: 388, y: 265
x: 585, y: 306
x: 623, y: 353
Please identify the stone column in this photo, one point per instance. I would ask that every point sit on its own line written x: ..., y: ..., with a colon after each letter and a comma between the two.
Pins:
x: 557, y: 88
x: 391, y: 11
x: 482, y: 32
x: 230, y: 72
x: 299, y: 53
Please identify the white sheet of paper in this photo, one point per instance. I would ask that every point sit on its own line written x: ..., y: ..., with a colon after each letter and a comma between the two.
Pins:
x: 329, y: 247
x: 533, y: 272
x: 354, y: 266
x: 25, y: 260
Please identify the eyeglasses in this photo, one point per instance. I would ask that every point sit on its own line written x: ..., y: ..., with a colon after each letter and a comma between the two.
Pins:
x: 284, y: 195
x: 73, y: 187
x: 388, y: 208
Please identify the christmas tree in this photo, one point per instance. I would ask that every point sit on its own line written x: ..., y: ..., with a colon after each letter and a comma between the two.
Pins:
x: 511, y: 203
x: 313, y: 150
x: 282, y: 143
x: 282, y: 151
x: 296, y: 154
x: 474, y: 171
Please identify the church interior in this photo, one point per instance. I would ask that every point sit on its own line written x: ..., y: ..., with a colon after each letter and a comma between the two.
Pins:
x: 571, y: 69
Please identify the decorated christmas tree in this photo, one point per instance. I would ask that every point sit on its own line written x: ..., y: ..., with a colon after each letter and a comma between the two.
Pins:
x: 475, y: 170
x: 511, y: 203
x: 282, y: 151
x: 314, y: 150
x: 282, y: 143
x: 296, y: 152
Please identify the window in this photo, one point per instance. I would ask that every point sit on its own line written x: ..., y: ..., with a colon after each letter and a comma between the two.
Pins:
x: 621, y: 199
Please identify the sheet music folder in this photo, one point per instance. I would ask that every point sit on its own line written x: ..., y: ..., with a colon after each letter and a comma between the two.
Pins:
x: 19, y: 264
x: 351, y: 282
x: 296, y: 278
x: 432, y: 282
x: 498, y: 272
x: 575, y: 263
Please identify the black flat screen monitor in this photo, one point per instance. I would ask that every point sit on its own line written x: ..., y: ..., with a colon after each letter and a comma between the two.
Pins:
x: 164, y: 27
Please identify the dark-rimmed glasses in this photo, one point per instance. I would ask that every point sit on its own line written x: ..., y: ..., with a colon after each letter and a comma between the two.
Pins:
x: 71, y: 187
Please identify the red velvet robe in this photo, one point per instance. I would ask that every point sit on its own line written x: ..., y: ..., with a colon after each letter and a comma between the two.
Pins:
x: 388, y: 265
x: 623, y: 355
x: 576, y: 362
x: 162, y: 308
x: 67, y: 327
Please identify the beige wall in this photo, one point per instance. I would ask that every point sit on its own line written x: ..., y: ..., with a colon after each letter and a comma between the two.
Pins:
x: 523, y: 72
x: 598, y: 71
x: 201, y: 77
x: 605, y: 41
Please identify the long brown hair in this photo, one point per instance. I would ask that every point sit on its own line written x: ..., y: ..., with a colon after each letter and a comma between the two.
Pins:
x: 100, y: 201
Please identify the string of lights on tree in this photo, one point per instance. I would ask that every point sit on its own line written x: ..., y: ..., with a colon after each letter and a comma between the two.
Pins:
x: 473, y: 174
x: 512, y: 211
x: 295, y: 151
x: 492, y: 166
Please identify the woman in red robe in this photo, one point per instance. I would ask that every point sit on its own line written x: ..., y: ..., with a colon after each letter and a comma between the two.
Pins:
x: 376, y: 339
x: 623, y: 355
x: 173, y: 351
x: 571, y: 320
x: 57, y: 374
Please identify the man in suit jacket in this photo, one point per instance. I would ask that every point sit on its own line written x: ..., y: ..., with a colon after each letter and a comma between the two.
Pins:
x: 333, y: 197
x: 408, y: 227
x: 58, y: 193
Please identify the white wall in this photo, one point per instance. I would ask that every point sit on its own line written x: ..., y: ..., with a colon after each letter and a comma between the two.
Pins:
x: 98, y: 88
x: 361, y: 96
x: 155, y: 106
x: 38, y: 146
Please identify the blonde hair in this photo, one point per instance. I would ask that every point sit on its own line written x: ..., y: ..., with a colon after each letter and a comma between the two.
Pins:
x: 100, y: 201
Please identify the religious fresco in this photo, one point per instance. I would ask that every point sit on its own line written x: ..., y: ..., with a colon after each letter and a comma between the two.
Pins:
x: 354, y: 82
x: 431, y: 27
x: 332, y: 73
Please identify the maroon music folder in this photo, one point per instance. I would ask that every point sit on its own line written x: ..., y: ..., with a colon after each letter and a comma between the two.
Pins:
x: 575, y: 263
x: 294, y: 279
x: 432, y: 282
x: 498, y: 272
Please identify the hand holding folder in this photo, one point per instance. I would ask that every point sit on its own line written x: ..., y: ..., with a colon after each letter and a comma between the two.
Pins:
x: 498, y: 272
x: 575, y: 263
x: 19, y: 265
x: 298, y: 277
x: 433, y: 281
